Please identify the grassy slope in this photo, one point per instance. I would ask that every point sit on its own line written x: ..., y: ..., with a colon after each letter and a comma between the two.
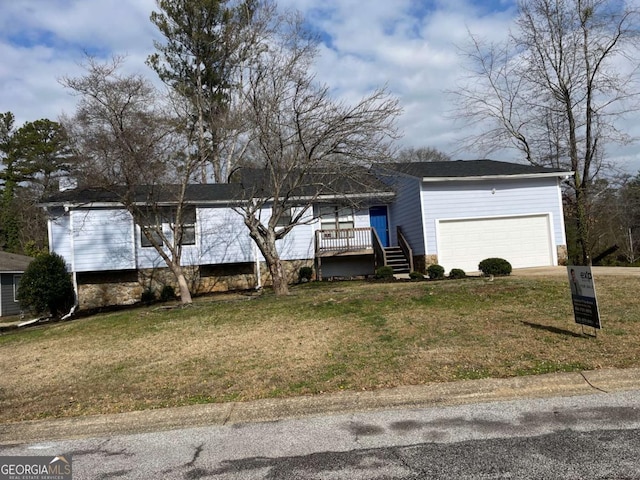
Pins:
x: 324, y: 337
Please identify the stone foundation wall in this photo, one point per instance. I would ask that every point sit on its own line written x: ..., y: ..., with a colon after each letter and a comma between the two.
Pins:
x: 563, y: 254
x: 421, y: 262
x: 291, y: 268
x: 222, y: 278
x: 103, y: 289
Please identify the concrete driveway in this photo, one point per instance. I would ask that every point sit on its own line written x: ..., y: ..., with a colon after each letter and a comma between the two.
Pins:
x: 562, y: 271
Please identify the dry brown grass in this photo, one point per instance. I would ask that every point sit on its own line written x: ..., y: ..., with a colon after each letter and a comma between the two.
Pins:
x: 324, y: 337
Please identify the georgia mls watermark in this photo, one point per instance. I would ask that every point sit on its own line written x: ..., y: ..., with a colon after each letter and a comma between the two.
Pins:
x: 36, y: 468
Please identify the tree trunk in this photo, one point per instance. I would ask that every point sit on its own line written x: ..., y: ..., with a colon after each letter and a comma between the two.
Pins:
x: 183, y: 286
x: 278, y: 277
x: 582, y: 224
x: 266, y: 242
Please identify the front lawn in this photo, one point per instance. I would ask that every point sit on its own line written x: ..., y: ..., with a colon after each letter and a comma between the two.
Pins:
x: 324, y: 337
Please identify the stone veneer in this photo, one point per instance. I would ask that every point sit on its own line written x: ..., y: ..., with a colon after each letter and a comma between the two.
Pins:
x: 563, y: 254
x: 421, y: 262
x: 102, y: 289
x: 291, y: 269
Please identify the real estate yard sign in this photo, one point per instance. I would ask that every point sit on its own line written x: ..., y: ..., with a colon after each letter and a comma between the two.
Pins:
x: 583, y: 296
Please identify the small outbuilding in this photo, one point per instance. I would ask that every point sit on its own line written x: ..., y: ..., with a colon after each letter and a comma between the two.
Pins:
x: 12, y: 266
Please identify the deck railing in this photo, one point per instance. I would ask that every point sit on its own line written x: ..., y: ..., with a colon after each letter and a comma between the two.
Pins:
x: 343, y: 240
x: 406, y: 248
x: 379, y: 253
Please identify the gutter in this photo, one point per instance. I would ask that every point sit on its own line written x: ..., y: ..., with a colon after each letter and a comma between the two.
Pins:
x: 227, y: 202
x: 497, y: 177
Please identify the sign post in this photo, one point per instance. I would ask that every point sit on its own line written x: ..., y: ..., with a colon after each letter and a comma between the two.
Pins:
x: 583, y: 296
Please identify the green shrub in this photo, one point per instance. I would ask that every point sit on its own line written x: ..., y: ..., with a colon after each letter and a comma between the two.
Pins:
x: 167, y: 293
x: 456, y: 273
x: 435, y: 271
x: 384, y: 272
x: 495, y: 266
x: 416, y: 276
x: 46, y: 286
x: 305, y: 274
x: 148, y: 296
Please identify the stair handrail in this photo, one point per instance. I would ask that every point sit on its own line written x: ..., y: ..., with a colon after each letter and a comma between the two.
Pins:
x: 378, y: 250
x: 406, y: 248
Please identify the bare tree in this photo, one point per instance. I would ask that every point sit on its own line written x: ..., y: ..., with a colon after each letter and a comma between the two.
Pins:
x: 556, y: 89
x: 300, y: 141
x: 129, y: 143
x: 629, y: 195
x: 422, y: 154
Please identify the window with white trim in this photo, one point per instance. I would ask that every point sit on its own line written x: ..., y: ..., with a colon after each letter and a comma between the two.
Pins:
x: 164, y: 222
x: 285, y: 217
x: 189, y: 226
x: 337, y: 222
x: 16, y: 285
x: 154, y: 231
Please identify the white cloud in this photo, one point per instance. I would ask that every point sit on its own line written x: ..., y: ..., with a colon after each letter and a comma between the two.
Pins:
x: 409, y: 45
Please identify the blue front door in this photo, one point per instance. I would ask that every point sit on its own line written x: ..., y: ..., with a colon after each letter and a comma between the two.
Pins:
x: 378, y: 220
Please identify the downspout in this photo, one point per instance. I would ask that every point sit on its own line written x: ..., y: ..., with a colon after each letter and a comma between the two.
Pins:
x: 258, y: 274
x: 70, y: 313
x: 74, y: 278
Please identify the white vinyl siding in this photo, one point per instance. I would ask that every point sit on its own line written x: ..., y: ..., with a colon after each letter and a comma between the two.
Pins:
x: 524, y: 241
x: 224, y: 238
x: 60, y: 236
x: 108, y: 239
x: 490, y: 198
x: 102, y: 240
x: 406, y: 211
x: 298, y: 243
x: 361, y: 218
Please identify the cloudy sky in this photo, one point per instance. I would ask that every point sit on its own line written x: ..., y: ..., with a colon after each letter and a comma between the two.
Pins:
x: 409, y: 45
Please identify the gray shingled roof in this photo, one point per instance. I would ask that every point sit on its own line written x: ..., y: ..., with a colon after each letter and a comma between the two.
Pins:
x: 196, y: 193
x: 252, y: 181
x: 354, y: 181
x: 11, y: 262
x: 468, y: 168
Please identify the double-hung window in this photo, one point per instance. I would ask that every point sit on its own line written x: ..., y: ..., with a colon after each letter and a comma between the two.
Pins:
x: 188, y: 226
x: 285, y: 217
x: 336, y: 222
x: 154, y: 231
x: 16, y: 286
x: 161, y: 224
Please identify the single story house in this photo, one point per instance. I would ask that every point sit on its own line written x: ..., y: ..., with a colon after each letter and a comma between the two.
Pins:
x: 113, y: 262
x: 458, y: 213
x: 12, y: 267
x: 406, y: 216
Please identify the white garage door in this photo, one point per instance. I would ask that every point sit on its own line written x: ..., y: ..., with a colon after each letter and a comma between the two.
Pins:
x: 524, y: 241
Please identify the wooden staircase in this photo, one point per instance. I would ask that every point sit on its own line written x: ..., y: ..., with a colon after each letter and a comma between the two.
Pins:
x: 396, y: 259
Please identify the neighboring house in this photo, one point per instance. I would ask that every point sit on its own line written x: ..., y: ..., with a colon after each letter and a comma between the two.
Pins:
x: 12, y: 267
x: 458, y: 213
x: 408, y: 216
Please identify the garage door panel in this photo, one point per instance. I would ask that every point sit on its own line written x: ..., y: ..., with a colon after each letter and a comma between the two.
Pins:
x: 523, y: 241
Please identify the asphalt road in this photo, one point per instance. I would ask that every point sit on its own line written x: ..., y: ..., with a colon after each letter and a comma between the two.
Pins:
x: 553, y: 427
